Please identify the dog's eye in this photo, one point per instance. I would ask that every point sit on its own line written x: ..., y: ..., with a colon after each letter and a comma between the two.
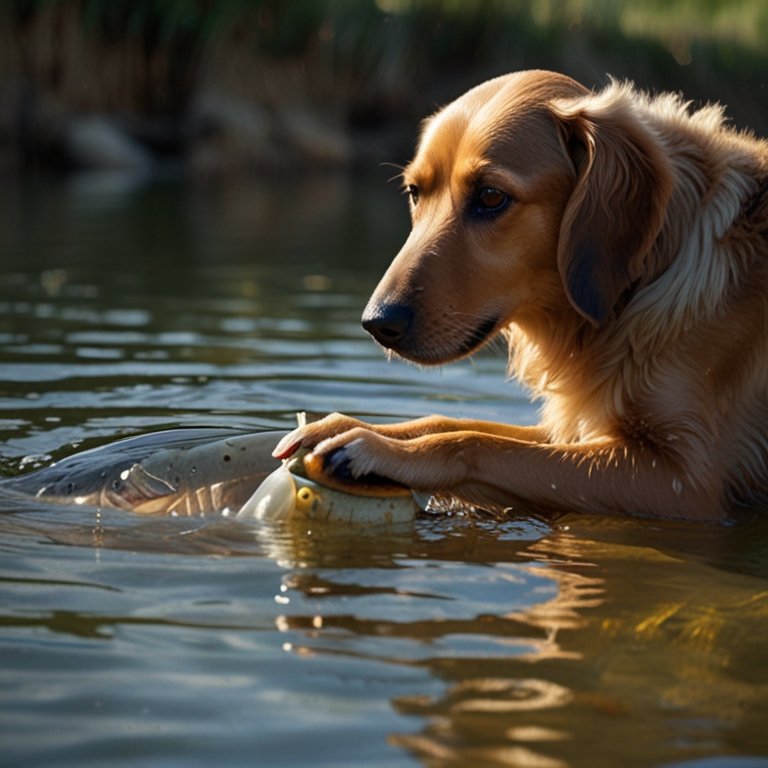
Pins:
x: 413, y: 193
x: 490, y: 200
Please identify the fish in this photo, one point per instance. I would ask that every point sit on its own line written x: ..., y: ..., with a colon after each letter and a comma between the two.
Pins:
x: 182, y: 472
x: 202, y: 471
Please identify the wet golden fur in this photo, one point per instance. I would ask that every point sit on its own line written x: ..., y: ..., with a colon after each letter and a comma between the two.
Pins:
x: 628, y: 270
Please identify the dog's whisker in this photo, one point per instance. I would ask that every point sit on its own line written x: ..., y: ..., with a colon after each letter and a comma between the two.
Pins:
x: 387, y: 164
x: 399, y: 168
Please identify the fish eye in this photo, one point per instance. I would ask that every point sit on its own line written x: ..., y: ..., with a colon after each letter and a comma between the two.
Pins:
x: 305, y: 499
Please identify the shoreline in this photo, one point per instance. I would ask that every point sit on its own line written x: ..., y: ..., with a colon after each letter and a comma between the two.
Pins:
x: 334, y: 86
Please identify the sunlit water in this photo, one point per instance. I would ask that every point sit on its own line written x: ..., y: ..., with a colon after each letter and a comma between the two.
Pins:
x: 458, y: 641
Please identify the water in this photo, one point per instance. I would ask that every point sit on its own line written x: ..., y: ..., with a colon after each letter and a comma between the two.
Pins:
x: 129, y: 307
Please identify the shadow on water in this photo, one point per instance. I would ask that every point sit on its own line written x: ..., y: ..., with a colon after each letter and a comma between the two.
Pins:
x: 456, y: 640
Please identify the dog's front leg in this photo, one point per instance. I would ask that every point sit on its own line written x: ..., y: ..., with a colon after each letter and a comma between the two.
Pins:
x: 498, y: 472
x: 309, y: 435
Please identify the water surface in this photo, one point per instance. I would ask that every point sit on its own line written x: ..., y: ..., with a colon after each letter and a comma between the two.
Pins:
x: 128, y: 307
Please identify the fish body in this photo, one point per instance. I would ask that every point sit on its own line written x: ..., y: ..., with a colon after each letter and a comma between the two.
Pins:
x: 192, y: 472
x: 180, y: 472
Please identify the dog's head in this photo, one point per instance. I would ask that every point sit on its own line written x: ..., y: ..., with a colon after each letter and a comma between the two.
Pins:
x: 528, y: 195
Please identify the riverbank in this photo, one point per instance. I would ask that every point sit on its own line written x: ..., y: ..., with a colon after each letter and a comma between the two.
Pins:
x: 224, y: 87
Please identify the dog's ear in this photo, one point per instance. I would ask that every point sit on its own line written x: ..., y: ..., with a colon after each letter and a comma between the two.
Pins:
x: 618, y: 205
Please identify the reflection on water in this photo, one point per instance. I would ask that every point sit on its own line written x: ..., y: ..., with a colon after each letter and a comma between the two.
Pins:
x: 454, y: 641
x: 557, y: 651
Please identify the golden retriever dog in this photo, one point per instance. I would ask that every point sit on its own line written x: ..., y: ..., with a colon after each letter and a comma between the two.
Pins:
x: 618, y: 241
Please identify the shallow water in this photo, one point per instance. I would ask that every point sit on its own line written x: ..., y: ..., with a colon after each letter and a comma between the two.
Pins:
x: 128, y: 307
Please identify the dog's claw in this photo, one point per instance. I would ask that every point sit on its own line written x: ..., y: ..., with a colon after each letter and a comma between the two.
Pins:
x: 338, y: 464
x: 285, y: 452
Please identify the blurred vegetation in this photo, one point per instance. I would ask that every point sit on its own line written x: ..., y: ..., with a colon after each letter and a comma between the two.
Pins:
x: 368, y: 69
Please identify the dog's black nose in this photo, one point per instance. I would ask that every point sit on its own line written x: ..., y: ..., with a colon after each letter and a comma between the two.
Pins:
x: 387, y: 323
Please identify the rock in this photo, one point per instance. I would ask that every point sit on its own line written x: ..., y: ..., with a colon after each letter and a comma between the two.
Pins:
x: 235, y: 133
x: 96, y: 142
x: 229, y: 134
x: 312, y: 139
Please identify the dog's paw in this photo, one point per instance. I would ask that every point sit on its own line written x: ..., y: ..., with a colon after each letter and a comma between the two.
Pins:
x: 309, y: 435
x: 340, y: 464
x: 360, y: 455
